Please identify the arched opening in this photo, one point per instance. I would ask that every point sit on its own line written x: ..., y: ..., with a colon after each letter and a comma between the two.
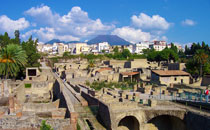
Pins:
x: 166, y: 122
x: 128, y: 123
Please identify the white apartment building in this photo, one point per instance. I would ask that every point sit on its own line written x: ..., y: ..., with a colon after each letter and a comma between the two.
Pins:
x: 103, y: 46
x: 129, y: 47
x: 139, y: 47
x: 179, y: 47
x: 47, y: 48
x: 158, y: 45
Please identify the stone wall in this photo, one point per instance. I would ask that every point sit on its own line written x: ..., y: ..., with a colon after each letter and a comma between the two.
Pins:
x: 104, y: 115
x: 91, y: 100
x: 32, y: 123
x: 195, y: 121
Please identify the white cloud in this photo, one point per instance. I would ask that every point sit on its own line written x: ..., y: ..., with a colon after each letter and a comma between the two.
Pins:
x: 9, y: 25
x: 46, y: 34
x: 188, y: 22
x: 132, y: 35
x: 145, y: 22
x: 42, y: 15
x: 74, y: 24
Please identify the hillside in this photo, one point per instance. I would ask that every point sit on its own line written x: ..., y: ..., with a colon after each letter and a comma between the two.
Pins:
x: 111, y: 39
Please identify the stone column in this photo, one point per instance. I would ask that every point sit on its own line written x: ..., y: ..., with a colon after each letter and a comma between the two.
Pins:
x: 11, y: 104
x: 2, y: 89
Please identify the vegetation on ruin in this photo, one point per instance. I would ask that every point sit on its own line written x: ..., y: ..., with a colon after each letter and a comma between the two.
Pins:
x: 78, y: 126
x: 45, y: 126
x: 98, y: 85
x: 27, y: 85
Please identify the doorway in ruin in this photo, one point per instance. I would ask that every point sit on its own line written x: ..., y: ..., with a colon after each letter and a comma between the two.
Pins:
x: 128, y: 123
x: 166, y: 122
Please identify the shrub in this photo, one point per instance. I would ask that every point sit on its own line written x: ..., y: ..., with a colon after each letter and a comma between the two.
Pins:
x: 45, y: 126
x: 78, y: 126
x: 27, y: 85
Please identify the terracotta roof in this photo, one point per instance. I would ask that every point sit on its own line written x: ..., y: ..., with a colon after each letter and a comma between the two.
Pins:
x: 171, y: 72
x: 103, y: 69
x: 129, y: 73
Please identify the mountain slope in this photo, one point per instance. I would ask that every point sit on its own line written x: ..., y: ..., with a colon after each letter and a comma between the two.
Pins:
x: 54, y: 40
x: 111, y: 39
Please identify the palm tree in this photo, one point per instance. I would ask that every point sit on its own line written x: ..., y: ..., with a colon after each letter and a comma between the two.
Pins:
x: 201, y: 58
x: 12, y: 58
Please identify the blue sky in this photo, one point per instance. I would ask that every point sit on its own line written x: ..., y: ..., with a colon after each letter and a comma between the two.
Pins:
x: 181, y: 21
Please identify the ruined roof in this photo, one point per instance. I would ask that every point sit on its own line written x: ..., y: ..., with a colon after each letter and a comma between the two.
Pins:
x: 103, y: 69
x: 170, y: 72
x: 129, y: 73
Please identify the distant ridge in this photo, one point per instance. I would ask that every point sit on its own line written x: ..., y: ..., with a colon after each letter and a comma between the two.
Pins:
x: 54, y: 40
x: 59, y: 41
x: 74, y: 42
x: 111, y: 39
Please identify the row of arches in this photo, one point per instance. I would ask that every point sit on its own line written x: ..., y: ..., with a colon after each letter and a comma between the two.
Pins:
x: 162, y: 122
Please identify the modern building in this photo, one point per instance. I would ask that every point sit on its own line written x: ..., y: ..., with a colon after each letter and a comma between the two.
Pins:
x: 179, y: 47
x: 139, y: 47
x: 168, y: 77
x: 129, y: 47
x: 103, y: 46
x: 158, y: 45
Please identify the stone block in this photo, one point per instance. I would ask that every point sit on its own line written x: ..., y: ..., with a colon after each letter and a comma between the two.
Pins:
x: 11, y: 105
x: 19, y: 114
x: 59, y: 113
x: 152, y: 103
x: 2, y: 113
x: 84, y: 103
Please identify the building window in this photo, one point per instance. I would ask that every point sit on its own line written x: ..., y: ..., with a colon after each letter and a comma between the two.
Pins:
x: 175, y: 79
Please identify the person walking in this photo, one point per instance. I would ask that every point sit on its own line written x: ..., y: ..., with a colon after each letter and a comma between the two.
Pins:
x: 207, y: 94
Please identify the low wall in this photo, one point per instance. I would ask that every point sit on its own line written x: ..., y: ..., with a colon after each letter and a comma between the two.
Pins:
x: 27, y: 124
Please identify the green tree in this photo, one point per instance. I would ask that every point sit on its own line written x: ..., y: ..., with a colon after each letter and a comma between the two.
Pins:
x: 12, y: 59
x: 45, y: 126
x: 152, y: 56
x: 126, y: 53
x: 174, y: 48
x: 116, y: 49
x: 4, y: 40
x: 31, y: 52
x: 201, y: 58
x: 17, y: 37
x: 192, y: 67
x: 103, y: 51
x: 65, y: 55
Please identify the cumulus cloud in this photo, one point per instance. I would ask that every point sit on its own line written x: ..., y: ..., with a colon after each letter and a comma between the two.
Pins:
x: 132, y: 35
x: 188, y: 22
x: 74, y: 24
x: 46, y: 34
x: 144, y: 28
x: 9, y: 25
x: 42, y: 15
x: 145, y: 22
